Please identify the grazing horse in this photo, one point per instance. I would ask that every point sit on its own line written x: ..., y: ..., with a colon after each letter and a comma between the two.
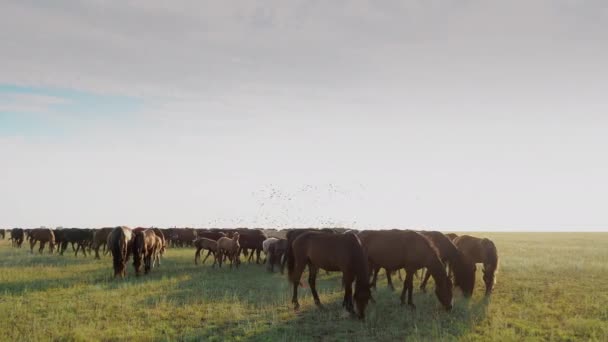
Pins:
x: 230, y: 248
x: 43, y: 235
x: 100, y: 238
x: 267, y: 244
x: 459, y: 265
x: 17, y: 236
x: 331, y: 252
x: 119, y: 243
x: 205, y: 244
x: 478, y: 250
x: 397, y: 249
x: 292, y: 235
x: 144, y: 249
x: 276, y: 252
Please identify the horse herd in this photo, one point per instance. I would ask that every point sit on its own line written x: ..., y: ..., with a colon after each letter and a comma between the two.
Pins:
x: 359, y: 255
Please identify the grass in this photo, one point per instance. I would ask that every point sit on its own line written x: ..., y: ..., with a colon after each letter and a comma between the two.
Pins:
x: 550, y: 287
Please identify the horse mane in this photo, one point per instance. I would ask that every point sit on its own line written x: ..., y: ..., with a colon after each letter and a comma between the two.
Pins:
x: 491, y: 254
x: 359, y: 259
x: 435, y: 265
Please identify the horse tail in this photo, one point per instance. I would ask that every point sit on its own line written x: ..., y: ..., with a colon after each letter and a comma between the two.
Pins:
x: 290, y: 259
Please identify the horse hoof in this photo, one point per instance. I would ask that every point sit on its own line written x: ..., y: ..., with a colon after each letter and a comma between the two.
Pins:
x: 296, y: 307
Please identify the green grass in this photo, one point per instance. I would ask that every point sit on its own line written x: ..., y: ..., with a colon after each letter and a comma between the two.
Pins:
x: 550, y: 287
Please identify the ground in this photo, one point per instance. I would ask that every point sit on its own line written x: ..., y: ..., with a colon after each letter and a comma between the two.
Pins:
x: 551, y: 286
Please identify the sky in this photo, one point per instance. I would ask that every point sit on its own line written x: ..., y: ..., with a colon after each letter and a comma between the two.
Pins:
x: 448, y: 115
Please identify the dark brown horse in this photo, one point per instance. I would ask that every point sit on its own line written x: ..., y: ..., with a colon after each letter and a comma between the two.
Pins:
x: 44, y: 236
x: 397, y: 249
x: 460, y: 266
x: 144, y: 250
x: 17, y: 236
x: 478, y: 250
x: 119, y: 243
x: 331, y: 252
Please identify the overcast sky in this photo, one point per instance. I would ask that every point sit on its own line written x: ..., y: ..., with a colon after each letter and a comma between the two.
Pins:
x: 466, y: 115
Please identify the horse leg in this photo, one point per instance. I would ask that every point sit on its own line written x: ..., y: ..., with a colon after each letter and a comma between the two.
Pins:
x: 389, y: 280
x: 32, y: 244
x: 295, y: 279
x: 427, y: 275
x: 409, y: 281
x: 312, y: 282
x: 42, y: 243
x: 197, y: 255
x: 258, y: 252
x: 347, y: 280
x: 208, y: 253
x: 375, y: 278
x: 405, y: 289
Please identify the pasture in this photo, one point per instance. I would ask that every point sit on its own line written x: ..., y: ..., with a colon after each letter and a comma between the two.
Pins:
x: 551, y: 286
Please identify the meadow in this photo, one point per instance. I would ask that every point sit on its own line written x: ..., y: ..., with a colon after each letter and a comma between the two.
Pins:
x: 550, y: 286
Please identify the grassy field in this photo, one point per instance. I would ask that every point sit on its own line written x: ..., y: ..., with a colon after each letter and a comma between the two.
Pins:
x: 550, y: 287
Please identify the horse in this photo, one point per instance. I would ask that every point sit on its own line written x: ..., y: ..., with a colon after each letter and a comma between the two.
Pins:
x: 251, y: 239
x: 81, y: 237
x: 397, y: 249
x: 459, y: 265
x: 144, y: 249
x: 43, y: 235
x: 17, y: 237
x: 205, y: 244
x: 119, y: 243
x: 267, y: 244
x: 331, y: 252
x: 100, y: 238
x: 158, y: 248
x: 276, y: 252
x: 163, y: 248
x: 229, y: 247
x: 2, y: 233
x: 480, y: 250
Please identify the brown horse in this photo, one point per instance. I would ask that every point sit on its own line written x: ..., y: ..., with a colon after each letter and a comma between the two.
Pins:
x: 119, y: 243
x: 459, y: 265
x: 100, y: 238
x: 44, y: 236
x: 144, y: 249
x: 397, y: 249
x: 331, y: 252
x: 163, y: 242
x: 482, y: 251
x: 229, y: 247
x: 208, y: 245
